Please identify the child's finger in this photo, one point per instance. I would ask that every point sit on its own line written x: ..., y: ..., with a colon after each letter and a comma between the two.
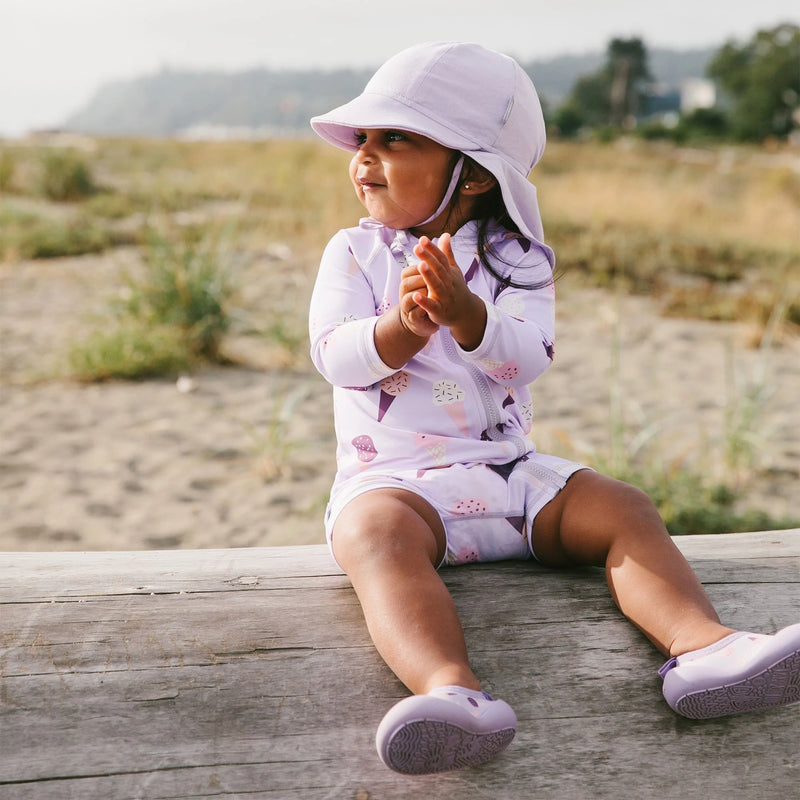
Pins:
x: 442, y: 252
x: 428, y: 304
x: 428, y: 252
x: 434, y: 280
x: 411, y: 269
x: 446, y: 246
x: 412, y: 283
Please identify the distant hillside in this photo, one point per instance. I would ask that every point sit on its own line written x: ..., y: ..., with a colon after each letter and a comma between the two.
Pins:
x: 172, y: 101
x: 274, y: 101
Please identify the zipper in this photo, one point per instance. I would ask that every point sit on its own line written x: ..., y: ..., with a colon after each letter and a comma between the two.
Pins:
x: 491, y: 411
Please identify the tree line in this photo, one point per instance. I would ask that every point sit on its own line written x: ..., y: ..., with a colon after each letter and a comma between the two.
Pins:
x: 758, y: 83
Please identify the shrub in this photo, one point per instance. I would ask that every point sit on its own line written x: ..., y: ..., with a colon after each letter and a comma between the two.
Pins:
x: 30, y: 235
x: 65, y: 176
x: 185, y: 284
x: 690, y: 504
x: 171, y: 316
x: 7, y: 168
x: 132, y: 351
x: 50, y: 239
x: 705, y: 123
x: 568, y: 121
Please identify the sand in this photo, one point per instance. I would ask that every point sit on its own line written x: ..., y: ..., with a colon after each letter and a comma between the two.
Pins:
x: 243, y: 455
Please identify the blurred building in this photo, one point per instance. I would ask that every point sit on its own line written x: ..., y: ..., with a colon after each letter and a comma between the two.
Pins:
x: 697, y: 93
x: 666, y: 104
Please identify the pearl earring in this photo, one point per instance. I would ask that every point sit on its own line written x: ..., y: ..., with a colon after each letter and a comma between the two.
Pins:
x: 466, y: 186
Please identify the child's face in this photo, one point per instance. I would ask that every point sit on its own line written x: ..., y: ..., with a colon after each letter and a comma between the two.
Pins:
x: 400, y: 177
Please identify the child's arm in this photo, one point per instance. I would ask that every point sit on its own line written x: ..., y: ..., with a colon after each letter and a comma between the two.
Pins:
x: 351, y: 345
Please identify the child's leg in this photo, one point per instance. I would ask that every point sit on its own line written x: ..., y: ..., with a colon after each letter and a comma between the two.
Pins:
x: 389, y: 542
x: 600, y: 521
x: 596, y: 520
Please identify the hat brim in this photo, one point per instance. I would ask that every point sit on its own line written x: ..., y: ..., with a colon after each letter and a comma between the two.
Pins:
x: 374, y: 110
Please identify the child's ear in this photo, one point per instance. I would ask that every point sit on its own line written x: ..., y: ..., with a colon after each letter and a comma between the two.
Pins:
x: 478, y: 181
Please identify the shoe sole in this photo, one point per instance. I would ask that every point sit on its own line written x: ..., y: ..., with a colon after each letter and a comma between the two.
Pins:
x: 777, y: 685
x: 426, y: 746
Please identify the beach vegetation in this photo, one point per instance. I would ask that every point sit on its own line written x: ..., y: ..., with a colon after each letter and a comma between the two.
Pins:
x: 7, y: 169
x: 65, y: 176
x: 170, y: 315
x: 130, y: 350
x: 30, y: 234
x: 700, y: 491
x: 689, y: 503
x: 186, y: 283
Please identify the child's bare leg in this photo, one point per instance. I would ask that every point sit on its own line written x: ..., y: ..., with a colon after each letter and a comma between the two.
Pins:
x: 388, y: 542
x: 596, y: 520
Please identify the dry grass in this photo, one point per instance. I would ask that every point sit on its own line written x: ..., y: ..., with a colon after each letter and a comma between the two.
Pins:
x: 713, y: 233
x: 737, y: 195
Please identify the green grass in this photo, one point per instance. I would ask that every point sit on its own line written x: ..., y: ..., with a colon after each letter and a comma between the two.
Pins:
x: 186, y: 284
x: 65, y: 176
x: 25, y: 234
x: 688, y: 501
x: 133, y: 350
x: 7, y: 169
x: 171, y: 315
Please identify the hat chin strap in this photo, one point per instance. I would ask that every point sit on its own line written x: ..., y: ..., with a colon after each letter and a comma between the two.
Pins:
x: 448, y: 195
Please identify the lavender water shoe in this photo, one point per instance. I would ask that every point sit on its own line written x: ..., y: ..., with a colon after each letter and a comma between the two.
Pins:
x: 448, y: 728
x: 742, y: 672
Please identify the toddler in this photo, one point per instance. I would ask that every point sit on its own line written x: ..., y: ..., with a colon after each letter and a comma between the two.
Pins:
x: 430, y: 320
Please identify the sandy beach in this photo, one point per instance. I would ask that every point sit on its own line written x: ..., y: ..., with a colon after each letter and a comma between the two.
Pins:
x: 243, y: 455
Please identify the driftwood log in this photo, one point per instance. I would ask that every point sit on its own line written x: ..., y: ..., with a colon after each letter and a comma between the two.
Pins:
x: 249, y: 674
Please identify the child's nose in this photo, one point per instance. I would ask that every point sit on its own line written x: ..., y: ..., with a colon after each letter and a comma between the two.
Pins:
x: 364, y: 154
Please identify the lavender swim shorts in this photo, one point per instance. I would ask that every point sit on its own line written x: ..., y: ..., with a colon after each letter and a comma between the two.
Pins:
x: 487, y: 510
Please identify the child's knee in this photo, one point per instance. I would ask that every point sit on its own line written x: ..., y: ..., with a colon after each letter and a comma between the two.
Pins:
x: 590, y: 516
x: 638, y: 509
x: 381, y: 525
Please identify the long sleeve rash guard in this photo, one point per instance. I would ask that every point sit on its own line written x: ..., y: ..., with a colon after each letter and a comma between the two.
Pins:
x: 446, y: 405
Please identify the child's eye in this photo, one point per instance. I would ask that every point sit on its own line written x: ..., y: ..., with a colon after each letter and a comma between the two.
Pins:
x: 389, y: 137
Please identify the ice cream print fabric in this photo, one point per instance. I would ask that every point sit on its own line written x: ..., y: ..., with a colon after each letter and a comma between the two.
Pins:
x: 487, y: 509
x: 447, y: 405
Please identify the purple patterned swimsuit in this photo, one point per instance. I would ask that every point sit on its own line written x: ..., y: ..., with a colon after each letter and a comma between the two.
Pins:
x: 446, y: 406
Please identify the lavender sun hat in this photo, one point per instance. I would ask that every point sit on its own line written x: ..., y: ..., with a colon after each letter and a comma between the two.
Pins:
x: 465, y: 97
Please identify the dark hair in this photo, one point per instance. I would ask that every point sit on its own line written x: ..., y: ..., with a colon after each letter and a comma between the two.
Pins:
x: 489, y: 207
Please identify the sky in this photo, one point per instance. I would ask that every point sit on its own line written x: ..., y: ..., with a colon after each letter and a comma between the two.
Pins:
x: 55, y: 54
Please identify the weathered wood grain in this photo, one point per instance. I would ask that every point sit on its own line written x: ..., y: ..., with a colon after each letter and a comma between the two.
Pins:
x: 249, y: 673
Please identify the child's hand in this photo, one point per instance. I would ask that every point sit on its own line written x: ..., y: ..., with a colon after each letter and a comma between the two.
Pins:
x: 414, y: 318
x: 445, y: 297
